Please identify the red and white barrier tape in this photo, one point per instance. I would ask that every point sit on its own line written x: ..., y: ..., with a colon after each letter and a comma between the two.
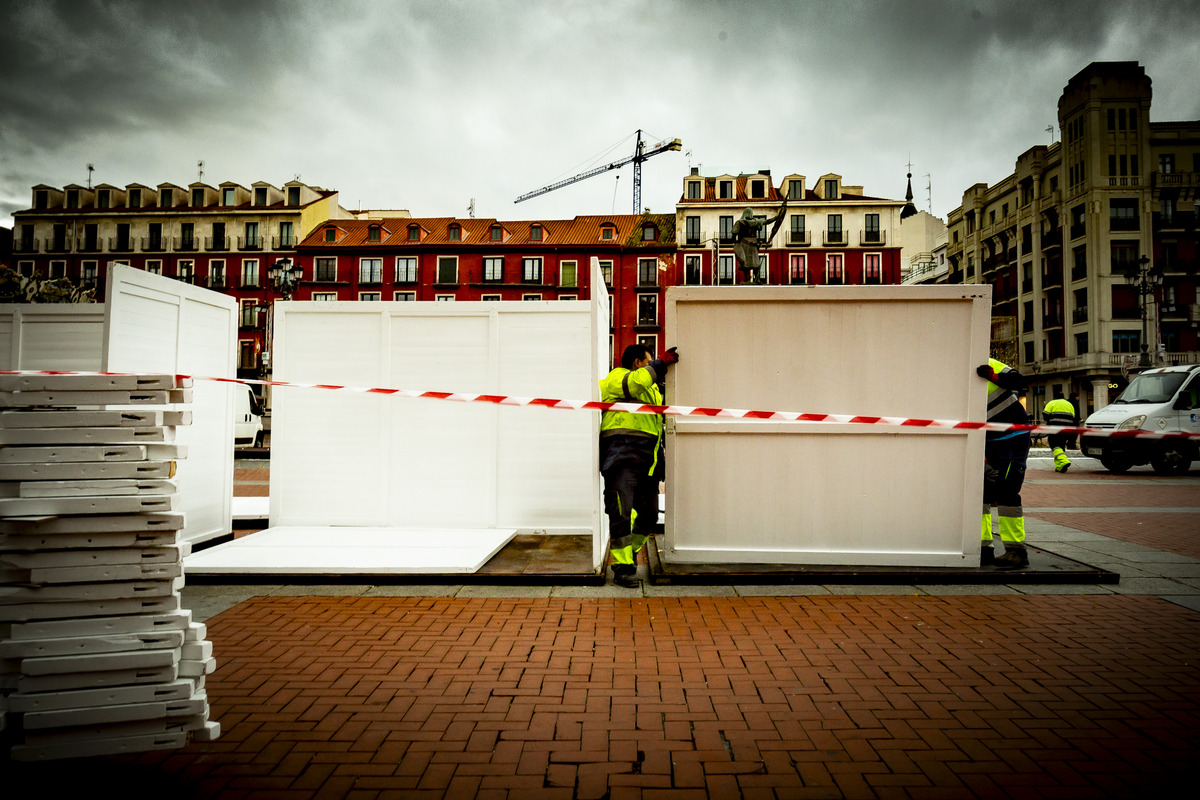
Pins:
x: 680, y: 411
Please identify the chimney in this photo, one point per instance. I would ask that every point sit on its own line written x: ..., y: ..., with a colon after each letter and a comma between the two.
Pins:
x: 695, y: 170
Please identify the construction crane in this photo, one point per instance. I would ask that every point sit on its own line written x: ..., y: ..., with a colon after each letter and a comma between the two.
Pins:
x: 640, y: 154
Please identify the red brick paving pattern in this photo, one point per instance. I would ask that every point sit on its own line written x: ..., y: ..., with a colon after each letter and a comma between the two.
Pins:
x: 1175, y: 533
x: 872, y: 697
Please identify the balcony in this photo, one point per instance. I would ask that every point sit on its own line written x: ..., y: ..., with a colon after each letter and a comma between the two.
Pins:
x: 249, y: 243
x: 1124, y: 224
x: 1079, y: 273
x: 1079, y: 315
x: 186, y: 244
x: 216, y: 282
x: 872, y: 238
x: 1052, y: 239
x: 1127, y: 313
x: 1175, y: 221
x: 1051, y: 279
x: 1124, y: 180
x: 89, y: 246
x: 29, y: 246
x: 798, y: 239
x: 1027, y: 286
x: 1078, y: 230
x: 153, y: 244
x: 283, y: 242
x: 120, y: 244
x: 833, y: 239
x: 1051, y: 321
x: 1180, y: 180
x: 60, y: 245
x: 1174, y: 311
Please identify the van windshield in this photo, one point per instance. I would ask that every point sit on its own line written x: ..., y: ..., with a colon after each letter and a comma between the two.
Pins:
x: 1152, y: 388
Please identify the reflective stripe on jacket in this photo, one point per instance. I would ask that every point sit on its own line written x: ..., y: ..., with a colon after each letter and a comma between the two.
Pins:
x: 1001, y: 401
x: 631, y: 386
x: 1059, y: 412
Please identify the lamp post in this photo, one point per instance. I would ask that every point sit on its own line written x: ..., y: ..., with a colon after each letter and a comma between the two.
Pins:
x: 284, y: 278
x: 1145, y: 279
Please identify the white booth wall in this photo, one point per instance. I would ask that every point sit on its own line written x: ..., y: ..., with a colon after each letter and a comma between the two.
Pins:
x: 758, y: 491
x: 342, y: 458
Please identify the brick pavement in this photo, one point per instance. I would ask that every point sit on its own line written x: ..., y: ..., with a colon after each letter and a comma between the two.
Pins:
x: 772, y: 697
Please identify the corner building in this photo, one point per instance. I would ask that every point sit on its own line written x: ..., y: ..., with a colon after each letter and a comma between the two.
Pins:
x: 1057, y: 238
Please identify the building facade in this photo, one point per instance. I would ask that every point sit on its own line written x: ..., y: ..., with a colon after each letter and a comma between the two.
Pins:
x: 222, y: 237
x: 831, y: 233
x: 1065, y: 238
x: 448, y: 259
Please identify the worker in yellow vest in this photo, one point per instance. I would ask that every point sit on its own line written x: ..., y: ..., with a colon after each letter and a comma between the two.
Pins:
x: 1060, y: 412
x: 1005, y: 453
x: 631, y: 456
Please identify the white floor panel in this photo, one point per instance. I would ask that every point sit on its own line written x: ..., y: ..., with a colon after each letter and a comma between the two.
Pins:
x: 350, y: 551
x: 251, y: 507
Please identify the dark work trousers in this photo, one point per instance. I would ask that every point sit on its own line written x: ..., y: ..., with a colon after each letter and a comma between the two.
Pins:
x: 630, y: 495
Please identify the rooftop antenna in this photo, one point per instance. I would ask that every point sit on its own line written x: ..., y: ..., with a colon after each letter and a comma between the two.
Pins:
x: 471, y: 209
x: 616, y: 183
x: 200, y: 171
x: 929, y: 191
x: 1050, y: 130
x: 91, y: 169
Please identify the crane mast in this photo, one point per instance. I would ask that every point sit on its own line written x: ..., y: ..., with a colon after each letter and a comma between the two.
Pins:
x: 640, y: 154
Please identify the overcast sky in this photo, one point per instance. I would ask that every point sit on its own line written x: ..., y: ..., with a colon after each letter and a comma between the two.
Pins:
x: 426, y: 104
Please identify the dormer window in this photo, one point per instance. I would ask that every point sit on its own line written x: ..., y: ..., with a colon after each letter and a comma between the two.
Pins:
x: 102, y: 198
x: 454, y: 233
x: 496, y: 233
x: 135, y: 198
x: 227, y: 197
x: 72, y: 198
x: 795, y: 190
x: 695, y: 190
x: 373, y: 233
x: 41, y: 199
x: 758, y: 189
x: 608, y: 233
x: 197, y: 198
x: 535, y: 233
x: 726, y: 190
x: 649, y: 232
x: 166, y: 198
x: 331, y: 234
x: 831, y: 190
x: 414, y: 233
x: 260, y: 195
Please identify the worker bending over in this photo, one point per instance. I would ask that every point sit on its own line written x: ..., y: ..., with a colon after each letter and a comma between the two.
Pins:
x: 1060, y: 412
x: 1005, y: 453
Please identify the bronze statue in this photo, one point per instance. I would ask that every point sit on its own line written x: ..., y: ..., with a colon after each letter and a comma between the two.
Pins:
x: 746, y: 242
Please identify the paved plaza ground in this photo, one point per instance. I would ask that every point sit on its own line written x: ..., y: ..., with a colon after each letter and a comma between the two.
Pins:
x: 824, y: 691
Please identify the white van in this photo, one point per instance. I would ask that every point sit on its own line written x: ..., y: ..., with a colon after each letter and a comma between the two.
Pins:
x: 1166, y: 399
x: 247, y: 418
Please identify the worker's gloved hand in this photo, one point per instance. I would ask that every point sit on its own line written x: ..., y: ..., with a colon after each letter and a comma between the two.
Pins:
x: 985, y: 371
x: 669, y: 357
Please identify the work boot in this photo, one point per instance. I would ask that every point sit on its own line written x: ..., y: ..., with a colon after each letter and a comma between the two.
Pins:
x: 1014, y: 557
x: 626, y: 577
x: 1063, y: 469
x: 987, y: 555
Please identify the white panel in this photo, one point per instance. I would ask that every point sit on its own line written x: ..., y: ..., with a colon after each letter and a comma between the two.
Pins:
x: 52, y: 337
x: 155, y: 324
x: 772, y: 492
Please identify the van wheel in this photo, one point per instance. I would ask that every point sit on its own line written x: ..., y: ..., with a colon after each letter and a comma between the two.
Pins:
x: 258, y: 439
x: 1116, y: 465
x: 1171, y: 459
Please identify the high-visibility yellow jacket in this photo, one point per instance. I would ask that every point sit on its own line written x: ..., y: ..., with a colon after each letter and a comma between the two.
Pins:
x: 1059, y: 412
x: 631, y: 386
x: 1003, y: 405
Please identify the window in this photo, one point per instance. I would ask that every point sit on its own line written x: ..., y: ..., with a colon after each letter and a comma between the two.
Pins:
x: 608, y: 233
x: 649, y: 340
x: 758, y: 189
x: 493, y: 269
x: 1079, y: 267
x: 247, y: 356
x: 197, y: 197
x: 216, y: 274
x: 795, y: 190
x: 496, y: 233
x: 154, y: 267
x: 796, y: 231
x: 88, y: 273
x: 1126, y: 341
x: 166, y: 198
x: 331, y: 234
x: 248, y: 314
x: 872, y: 270
x: 649, y: 233
x: 796, y: 268
x: 404, y: 296
x: 219, y: 240
x: 726, y: 192
x: 186, y: 270
x: 373, y: 233
x: 647, y: 309
x: 725, y: 230
x: 694, y: 190
x: 647, y: 272
x: 531, y: 270
x: 606, y: 269
x: 834, y: 227
x: 285, y: 235
x: 444, y: 298
x: 454, y: 233
x: 567, y: 297
x: 25, y: 268
x: 568, y: 274
x: 371, y: 297
x: 250, y: 272
x: 324, y: 296
x: 135, y: 199
x: 691, y: 270
x: 490, y: 298
x: 531, y: 297
x: 447, y: 269
x: 154, y: 229
x: 260, y: 195
x: 406, y: 269
x: 72, y: 198
x: 1166, y: 162
x: 1124, y: 257
x: 831, y: 190
x: 58, y: 269
x: 252, y: 234
x: 326, y: 269
x: 293, y: 196
x: 370, y: 270
x: 725, y: 269
x: 535, y: 233
x: 1081, y: 344
x: 227, y: 197
x: 414, y: 233
x: 692, y: 230
x: 90, y: 240
x: 833, y: 268
x: 871, y: 227
x: 187, y: 236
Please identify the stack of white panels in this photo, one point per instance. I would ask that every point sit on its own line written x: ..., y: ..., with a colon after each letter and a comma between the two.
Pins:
x: 96, y: 655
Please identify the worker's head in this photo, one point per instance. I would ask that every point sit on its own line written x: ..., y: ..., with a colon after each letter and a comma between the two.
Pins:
x: 747, y: 214
x: 636, y: 356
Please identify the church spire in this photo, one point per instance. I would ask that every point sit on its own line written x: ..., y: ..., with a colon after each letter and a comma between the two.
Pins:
x: 909, y: 209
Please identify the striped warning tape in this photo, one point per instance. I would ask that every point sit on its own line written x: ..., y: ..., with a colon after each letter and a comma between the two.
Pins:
x: 680, y: 411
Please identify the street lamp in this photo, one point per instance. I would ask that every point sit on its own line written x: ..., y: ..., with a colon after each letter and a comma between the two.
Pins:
x: 285, y: 277
x: 1145, y: 279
